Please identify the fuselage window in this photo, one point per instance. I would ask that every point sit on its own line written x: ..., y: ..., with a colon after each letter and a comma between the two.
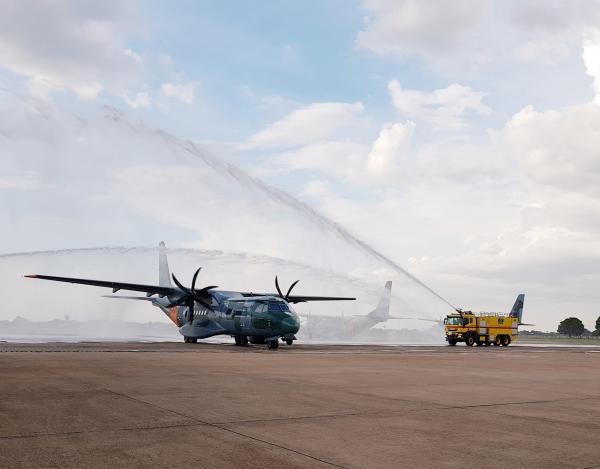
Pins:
x: 261, y: 308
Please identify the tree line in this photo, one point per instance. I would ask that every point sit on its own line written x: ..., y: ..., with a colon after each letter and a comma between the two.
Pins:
x: 573, y: 327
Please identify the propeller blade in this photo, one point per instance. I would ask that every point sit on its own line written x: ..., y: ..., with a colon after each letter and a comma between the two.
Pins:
x: 290, y: 289
x: 194, y: 278
x: 178, y: 283
x: 278, y: 289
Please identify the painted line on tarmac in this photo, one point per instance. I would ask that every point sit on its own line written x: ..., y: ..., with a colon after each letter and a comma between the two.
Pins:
x: 105, y: 430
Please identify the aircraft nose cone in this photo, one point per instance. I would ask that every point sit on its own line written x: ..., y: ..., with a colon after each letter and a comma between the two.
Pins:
x: 290, y: 325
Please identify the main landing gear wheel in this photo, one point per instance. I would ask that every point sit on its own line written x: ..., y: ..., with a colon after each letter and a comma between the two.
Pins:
x: 273, y: 344
x: 190, y: 340
x: 241, y: 340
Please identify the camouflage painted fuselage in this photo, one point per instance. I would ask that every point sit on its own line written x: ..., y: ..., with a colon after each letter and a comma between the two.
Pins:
x: 258, y: 319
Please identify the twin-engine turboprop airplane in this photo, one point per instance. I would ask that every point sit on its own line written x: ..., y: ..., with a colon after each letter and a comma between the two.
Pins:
x: 249, y: 317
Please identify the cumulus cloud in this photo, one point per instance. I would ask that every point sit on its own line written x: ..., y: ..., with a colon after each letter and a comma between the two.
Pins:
x: 591, y: 58
x: 184, y: 92
x: 470, y: 163
x: 315, y: 123
x: 558, y: 148
x: 415, y: 27
x: 444, y: 107
x: 350, y: 160
x: 461, y: 37
x: 391, y: 144
x: 79, y: 47
x: 343, y: 160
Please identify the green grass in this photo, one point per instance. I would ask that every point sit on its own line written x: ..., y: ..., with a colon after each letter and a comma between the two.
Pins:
x: 523, y: 339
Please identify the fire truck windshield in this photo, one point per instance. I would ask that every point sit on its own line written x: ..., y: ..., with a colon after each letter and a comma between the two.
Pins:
x: 453, y: 320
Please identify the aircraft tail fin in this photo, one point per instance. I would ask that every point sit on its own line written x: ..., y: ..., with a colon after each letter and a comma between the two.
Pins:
x: 382, y: 312
x: 517, y: 309
x: 164, y: 276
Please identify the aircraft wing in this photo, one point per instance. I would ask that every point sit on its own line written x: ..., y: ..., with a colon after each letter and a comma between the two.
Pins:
x: 299, y: 298
x: 303, y: 299
x: 116, y: 286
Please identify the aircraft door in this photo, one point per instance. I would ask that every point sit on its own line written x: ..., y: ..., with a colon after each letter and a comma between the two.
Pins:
x: 237, y: 322
x: 237, y: 317
x: 245, y: 320
x: 259, y: 317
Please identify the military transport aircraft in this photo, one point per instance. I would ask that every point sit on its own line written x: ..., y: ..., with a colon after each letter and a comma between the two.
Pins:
x: 259, y: 318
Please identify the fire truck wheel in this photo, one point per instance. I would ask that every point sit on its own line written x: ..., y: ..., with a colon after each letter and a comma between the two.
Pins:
x: 497, y: 341
x: 451, y: 342
x: 505, y: 340
x: 469, y: 340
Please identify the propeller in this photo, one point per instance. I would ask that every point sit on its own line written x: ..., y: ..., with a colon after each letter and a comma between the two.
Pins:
x: 192, y: 295
x: 287, y: 295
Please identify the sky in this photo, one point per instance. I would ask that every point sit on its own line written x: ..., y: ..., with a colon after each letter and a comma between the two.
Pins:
x: 459, y: 139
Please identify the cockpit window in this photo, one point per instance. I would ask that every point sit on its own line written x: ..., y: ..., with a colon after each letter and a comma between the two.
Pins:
x: 275, y: 307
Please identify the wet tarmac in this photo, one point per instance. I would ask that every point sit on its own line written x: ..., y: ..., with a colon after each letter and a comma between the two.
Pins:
x: 133, y: 404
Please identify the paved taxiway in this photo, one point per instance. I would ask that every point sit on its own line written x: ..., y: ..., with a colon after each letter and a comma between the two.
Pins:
x: 207, y: 405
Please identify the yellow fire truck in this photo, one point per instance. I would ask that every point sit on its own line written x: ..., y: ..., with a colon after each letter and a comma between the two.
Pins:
x: 484, y: 328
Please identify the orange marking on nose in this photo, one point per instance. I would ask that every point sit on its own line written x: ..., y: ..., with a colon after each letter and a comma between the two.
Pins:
x: 173, y: 315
